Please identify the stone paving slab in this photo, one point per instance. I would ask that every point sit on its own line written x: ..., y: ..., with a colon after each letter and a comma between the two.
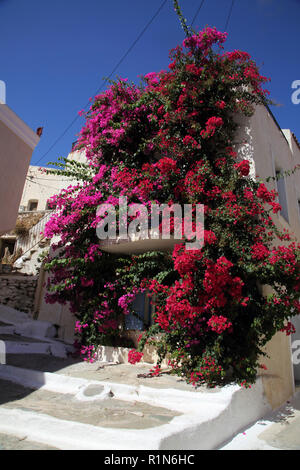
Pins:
x: 136, y: 375
x: 23, y: 346
x: 278, y: 430
x: 284, y: 436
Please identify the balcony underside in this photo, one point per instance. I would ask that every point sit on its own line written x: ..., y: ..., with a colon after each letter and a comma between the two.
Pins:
x: 136, y: 246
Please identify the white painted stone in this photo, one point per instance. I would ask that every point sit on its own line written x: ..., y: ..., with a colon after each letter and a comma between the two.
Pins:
x: 70, y: 435
x: 207, y: 421
x: 110, y: 354
x: 36, y: 329
x: 23, y: 347
x: 7, y: 330
x: 12, y: 316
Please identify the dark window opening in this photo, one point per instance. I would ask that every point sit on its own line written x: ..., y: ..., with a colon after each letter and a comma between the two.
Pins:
x: 143, y: 312
x: 10, y: 244
x: 282, y: 198
x: 32, y: 205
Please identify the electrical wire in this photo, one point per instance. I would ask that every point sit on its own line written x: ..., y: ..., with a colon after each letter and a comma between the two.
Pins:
x: 229, y: 15
x: 41, y: 184
x: 43, y: 179
x: 197, y: 12
x: 110, y: 75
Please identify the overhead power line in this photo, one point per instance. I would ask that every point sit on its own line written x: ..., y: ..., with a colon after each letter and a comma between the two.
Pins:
x: 105, y: 81
x: 229, y: 15
x: 41, y: 184
x: 197, y: 12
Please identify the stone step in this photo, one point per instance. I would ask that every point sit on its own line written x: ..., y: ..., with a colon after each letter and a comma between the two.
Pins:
x: 94, y: 406
x: 21, y: 442
x: 70, y: 435
x: 66, y: 422
x: 21, y: 323
x: 65, y: 403
x: 200, y: 420
x: 40, y: 362
x: 21, y: 345
x: 7, y: 329
x: 12, y: 316
x: 30, y: 347
x: 24, y: 336
x: 175, y: 399
x: 36, y: 329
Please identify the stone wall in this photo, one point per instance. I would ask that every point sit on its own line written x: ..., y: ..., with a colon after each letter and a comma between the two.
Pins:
x: 18, y: 292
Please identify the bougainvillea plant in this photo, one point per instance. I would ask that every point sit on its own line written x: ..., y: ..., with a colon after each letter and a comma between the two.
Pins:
x: 172, y: 140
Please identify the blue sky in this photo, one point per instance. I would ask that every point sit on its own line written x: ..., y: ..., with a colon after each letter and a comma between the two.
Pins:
x: 54, y: 54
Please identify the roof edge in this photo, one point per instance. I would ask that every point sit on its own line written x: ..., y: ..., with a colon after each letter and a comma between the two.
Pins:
x: 18, y: 126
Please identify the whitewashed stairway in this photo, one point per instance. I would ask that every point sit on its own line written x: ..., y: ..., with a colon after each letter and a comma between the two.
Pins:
x: 50, y: 399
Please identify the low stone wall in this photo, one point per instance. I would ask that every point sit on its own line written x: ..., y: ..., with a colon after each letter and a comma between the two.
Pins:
x: 18, y: 292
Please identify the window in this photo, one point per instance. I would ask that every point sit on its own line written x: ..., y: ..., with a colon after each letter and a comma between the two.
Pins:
x: 282, y: 199
x: 32, y: 205
x: 142, y: 318
x: 7, y: 243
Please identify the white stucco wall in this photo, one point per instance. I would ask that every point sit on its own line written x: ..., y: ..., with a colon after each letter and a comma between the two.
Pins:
x: 270, y: 149
x: 40, y: 187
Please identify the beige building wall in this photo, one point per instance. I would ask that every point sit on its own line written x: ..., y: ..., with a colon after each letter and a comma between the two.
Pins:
x: 17, y: 142
x: 295, y: 180
x: 59, y: 315
x: 39, y: 186
x: 270, y: 149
